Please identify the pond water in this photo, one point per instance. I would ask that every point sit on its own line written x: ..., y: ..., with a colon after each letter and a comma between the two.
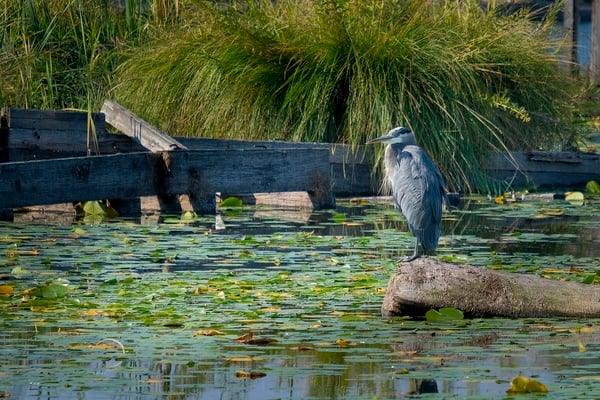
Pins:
x: 162, y: 308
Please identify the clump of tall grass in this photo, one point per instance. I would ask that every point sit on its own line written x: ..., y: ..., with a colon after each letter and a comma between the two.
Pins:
x: 467, y: 80
x: 62, y: 54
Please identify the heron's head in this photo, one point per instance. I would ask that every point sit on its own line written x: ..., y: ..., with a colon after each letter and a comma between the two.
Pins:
x: 397, y: 135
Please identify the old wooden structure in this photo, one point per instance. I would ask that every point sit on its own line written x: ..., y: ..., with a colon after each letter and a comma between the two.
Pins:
x: 64, y: 156
x: 50, y: 157
x: 542, y: 169
x: 574, y: 12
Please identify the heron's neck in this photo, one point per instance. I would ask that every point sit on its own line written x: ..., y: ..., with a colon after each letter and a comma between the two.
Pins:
x: 398, y: 147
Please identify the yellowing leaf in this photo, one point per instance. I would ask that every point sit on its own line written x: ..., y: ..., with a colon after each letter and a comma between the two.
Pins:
x: 208, y: 332
x: 582, y: 348
x: 303, y: 348
x: 344, y: 343
x: 554, y: 212
x: 352, y: 223
x: 587, y: 378
x: 93, y: 208
x: 6, y: 290
x: 575, y: 198
x: 523, y: 384
x: 248, y: 338
x: 102, y: 346
x: 535, y: 386
x: 92, y: 313
x: 240, y: 359
x: 249, y: 374
x: 271, y: 309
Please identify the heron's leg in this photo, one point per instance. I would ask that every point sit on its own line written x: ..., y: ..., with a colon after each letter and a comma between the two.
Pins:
x: 415, y: 254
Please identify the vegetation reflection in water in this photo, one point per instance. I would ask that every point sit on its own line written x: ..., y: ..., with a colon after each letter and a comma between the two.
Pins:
x: 119, y: 309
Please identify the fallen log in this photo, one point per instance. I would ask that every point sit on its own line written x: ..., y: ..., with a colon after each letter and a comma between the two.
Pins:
x: 429, y: 283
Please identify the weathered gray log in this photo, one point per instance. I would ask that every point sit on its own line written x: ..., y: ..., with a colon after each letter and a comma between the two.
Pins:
x: 131, y: 125
x: 428, y: 283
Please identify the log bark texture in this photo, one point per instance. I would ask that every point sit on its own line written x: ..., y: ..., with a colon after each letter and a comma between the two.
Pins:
x: 428, y: 283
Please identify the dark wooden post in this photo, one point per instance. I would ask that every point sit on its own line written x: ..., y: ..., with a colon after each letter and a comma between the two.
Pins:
x: 571, y: 26
x: 6, y: 214
x: 4, y: 132
x: 595, y: 56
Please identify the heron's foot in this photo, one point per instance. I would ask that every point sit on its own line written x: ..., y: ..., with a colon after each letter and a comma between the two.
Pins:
x: 409, y: 258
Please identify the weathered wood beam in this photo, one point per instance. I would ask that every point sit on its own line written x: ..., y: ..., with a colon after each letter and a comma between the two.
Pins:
x: 568, y: 169
x: 351, y: 168
x: 571, y: 26
x: 198, y: 173
x: 595, y: 45
x: 131, y: 125
x: 50, y: 131
x: 428, y: 283
x: 46, y: 134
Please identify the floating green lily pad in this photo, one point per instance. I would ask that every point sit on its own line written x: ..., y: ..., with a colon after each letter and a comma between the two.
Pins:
x: 50, y: 291
x: 444, y: 314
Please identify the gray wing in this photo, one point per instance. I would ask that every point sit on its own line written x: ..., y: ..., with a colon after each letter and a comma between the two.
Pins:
x: 418, y: 189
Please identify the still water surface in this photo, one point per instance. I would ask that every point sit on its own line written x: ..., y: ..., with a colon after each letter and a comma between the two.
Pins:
x: 311, y: 282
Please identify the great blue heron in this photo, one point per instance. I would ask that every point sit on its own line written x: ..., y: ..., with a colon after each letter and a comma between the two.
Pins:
x: 417, y: 187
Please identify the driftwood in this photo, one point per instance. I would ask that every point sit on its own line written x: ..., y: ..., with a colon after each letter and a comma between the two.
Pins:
x: 428, y: 283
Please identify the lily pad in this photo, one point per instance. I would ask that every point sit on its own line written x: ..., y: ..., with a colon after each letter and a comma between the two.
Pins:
x: 592, y: 187
x: 50, y: 291
x: 231, y: 202
x: 575, y: 198
x: 444, y: 314
x: 176, y: 293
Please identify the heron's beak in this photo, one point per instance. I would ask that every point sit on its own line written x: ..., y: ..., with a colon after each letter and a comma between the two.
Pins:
x: 381, y: 139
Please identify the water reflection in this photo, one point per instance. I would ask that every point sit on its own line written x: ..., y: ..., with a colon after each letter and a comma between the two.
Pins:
x: 427, y: 363
x: 388, y: 359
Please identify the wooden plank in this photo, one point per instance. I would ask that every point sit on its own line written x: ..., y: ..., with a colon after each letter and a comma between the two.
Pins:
x: 351, y: 169
x: 74, y: 179
x: 595, y: 45
x: 544, y: 168
x: 36, y: 134
x: 4, y: 133
x: 199, y: 173
x: 51, y: 131
x: 64, y: 143
x: 52, y: 120
x: 135, y: 127
x: 571, y: 26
